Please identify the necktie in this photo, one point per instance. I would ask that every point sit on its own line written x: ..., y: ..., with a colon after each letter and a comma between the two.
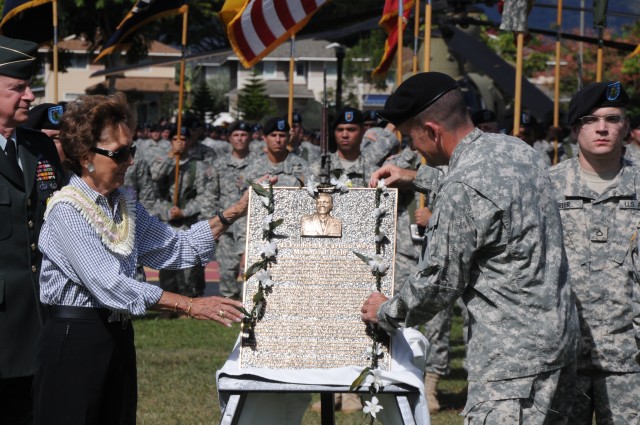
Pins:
x: 12, y: 155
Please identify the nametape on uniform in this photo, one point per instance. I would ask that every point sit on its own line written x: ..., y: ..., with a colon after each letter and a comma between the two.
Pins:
x: 567, y: 205
x: 629, y: 204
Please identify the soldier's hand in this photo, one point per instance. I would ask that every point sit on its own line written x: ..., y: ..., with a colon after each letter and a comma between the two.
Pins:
x: 175, y: 213
x: 370, y: 307
x: 422, y: 216
x: 393, y: 176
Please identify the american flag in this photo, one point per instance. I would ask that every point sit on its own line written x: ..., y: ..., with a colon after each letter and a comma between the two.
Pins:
x: 260, y: 26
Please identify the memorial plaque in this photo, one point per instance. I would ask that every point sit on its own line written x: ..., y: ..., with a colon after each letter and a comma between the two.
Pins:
x: 312, y: 314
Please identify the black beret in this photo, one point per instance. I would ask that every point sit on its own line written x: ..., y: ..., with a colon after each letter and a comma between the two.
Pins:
x: 596, y: 95
x: 240, y: 126
x: 154, y: 127
x: 184, y: 131
x: 45, y: 116
x: 257, y: 127
x: 296, y: 118
x: 276, y: 124
x: 17, y: 58
x: 349, y: 115
x: 415, y: 95
x: 634, y: 122
x: 482, y: 116
x: 371, y: 116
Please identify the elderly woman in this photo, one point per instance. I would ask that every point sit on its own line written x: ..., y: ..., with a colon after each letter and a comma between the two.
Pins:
x: 92, y: 238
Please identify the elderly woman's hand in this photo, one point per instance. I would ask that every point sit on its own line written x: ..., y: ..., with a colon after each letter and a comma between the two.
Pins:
x: 222, y: 310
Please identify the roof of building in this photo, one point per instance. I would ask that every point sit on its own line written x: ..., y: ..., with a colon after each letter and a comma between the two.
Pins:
x: 306, y: 49
x: 280, y: 89
x: 141, y: 84
x: 80, y: 45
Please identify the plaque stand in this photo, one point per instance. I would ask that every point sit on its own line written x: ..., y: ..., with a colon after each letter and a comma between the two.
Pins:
x: 235, y: 390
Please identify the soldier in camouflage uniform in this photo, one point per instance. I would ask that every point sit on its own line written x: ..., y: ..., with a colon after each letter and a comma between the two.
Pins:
x: 230, y: 172
x: 598, y: 195
x: 154, y: 150
x: 347, y: 160
x: 197, y: 199
x: 306, y: 151
x: 277, y: 160
x: 495, y: 239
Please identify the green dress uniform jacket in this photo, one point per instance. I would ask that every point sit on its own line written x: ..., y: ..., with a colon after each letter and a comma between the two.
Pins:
x: 22, y: 205
x: 601, y: 241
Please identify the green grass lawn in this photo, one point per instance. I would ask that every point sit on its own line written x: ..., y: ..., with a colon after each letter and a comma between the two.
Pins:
x: 178, y: 359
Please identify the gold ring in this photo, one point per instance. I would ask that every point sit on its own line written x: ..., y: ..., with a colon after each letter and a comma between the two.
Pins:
x: 221, y: 313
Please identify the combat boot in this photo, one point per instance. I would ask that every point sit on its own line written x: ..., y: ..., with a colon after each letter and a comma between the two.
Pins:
x: 431, y: 392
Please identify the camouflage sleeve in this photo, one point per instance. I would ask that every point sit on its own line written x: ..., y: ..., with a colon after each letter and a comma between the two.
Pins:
x: 635, y: 296
x: 147, y: 189
x: 378, y: 144
x: 463, y: 222
x: 205, y: 203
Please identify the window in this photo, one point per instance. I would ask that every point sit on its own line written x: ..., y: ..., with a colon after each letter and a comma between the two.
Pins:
x: 269, y: 69
x: 78, y: 61
x: 301, y: 69
x: 332, y: 69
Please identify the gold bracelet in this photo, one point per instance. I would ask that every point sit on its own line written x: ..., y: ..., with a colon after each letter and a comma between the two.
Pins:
x: 189, y: 309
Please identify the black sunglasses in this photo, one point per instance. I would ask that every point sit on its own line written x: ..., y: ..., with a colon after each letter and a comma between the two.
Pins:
x: 120, y: 156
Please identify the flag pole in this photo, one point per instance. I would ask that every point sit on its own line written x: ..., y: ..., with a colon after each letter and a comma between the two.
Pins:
x: 185, y: 16
x: 556, y: 91
x: 416, y: 31
x: 55, y: 51
x: 599, y: 56
x: 518, y: 89
x: 400, y: 41
x: 426, y: 65
x: 292, y: 62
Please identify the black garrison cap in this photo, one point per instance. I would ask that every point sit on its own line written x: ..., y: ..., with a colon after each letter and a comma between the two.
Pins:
x: 415, y: 95
x: 17, y: 58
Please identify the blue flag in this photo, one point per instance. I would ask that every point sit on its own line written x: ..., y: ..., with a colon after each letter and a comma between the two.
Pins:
x: 28, y: 20
x: 143, y: 12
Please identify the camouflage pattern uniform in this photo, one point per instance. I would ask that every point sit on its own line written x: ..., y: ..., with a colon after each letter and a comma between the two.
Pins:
x: 495, y: 238
x: 600, y: 237
x: 138, y: 179
x: 231, y: 183
x: 377, y: 144
x: 198, y: 200
x: 153, y: 152
x: 289, y: 171
x: 359, y: 171
x: 308, y: 152
x: 220, y: 147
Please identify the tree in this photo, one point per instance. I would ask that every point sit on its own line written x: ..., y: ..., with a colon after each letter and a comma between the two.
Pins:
x: 253, y: 102
x: 202, y: 101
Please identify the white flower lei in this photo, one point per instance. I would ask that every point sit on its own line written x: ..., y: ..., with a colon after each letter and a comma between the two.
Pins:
x: 117, y: 237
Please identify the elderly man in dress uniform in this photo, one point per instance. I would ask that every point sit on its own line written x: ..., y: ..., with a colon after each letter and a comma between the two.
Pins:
x: 495, y: 239
x: 30, y: 171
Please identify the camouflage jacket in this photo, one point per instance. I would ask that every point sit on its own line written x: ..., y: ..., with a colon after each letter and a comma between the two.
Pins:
x: 231, y: 181
x: 377, y: 144
x: 407, y: 203
x: 359, y: 172
x: 495, y: 238
x: 600, y: 238
x: 153, y: 152
x: 198, y: 197
x: 138, y: 179
x: 289, y: 171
